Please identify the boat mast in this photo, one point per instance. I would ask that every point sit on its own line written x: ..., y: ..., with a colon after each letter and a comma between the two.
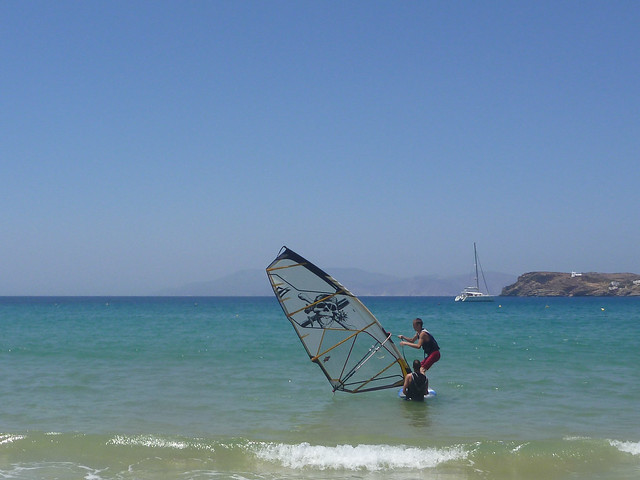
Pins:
x: 475, y: 258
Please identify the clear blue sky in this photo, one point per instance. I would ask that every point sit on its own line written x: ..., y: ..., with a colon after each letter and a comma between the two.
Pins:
x: 146, y: 145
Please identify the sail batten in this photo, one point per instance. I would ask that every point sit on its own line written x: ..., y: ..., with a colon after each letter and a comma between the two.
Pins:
x: 338, y: 332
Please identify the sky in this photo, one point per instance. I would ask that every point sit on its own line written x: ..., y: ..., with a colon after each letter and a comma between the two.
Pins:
x: 145, y: 145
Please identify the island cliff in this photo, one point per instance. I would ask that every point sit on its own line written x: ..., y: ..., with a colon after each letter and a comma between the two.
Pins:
x: 556, y: 284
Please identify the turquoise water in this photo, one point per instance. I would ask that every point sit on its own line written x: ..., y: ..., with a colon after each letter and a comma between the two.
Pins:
x: 201, y: 388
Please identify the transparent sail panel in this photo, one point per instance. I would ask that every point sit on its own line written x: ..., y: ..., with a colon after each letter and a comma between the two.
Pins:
x: 338, y: 332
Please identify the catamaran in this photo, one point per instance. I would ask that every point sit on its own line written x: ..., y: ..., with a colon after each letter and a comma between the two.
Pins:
x: 473, y: 293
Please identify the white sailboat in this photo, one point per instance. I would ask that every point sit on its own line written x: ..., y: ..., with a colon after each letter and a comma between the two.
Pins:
x: 473, y: 293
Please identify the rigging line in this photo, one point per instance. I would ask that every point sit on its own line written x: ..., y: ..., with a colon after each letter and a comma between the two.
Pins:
x: 362, y: 383
x: 372, y: 351
x: 347, y: 358
x: 341, y: 384
x: 478, y: 264
x: 356, y: 332
x: 377, y: 377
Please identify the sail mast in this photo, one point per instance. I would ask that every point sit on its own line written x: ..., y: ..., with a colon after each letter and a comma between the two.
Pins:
x: 473, y: 293
x: 475, y: 258
x: 338, y: 332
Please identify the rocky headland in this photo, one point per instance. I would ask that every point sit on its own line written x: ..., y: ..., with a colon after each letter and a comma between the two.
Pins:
x: 556, y: 284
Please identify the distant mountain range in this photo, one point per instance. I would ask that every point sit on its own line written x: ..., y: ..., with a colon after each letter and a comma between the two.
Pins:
x: 362, y: 283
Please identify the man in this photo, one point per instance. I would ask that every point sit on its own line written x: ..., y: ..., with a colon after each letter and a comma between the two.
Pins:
x: 416, y: 384
x: 426, y: 342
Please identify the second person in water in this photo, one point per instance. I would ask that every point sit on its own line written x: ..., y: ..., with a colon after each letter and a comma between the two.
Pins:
x: 424, y: 340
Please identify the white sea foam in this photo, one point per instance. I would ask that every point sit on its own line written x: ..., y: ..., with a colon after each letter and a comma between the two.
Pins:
x: 156, y: 442
x: 91, y: 473
x: 51, y: 470
x: 627, y: 447
x: 518, y: 447
x: 6, y: 438
x: 360, y: 457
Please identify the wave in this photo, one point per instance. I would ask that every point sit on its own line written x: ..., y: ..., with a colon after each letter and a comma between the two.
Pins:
x: 360, y: 457
x: 307, y: 456
x: 163, y: 457
x: 8, y: 438
x: 626, y: 447
x: 159, y: 442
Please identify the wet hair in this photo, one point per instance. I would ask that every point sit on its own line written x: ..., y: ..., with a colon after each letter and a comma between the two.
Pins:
x: 416, y: 366
x: 418, y: 320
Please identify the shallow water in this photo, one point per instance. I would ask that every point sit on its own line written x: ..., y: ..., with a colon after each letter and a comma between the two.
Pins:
x: 191, y: 388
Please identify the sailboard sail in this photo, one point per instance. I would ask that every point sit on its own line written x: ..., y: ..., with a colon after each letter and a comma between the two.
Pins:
x: 338, y: 332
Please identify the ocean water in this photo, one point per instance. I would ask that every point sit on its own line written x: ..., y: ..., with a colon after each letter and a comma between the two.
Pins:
x: 220, y: 388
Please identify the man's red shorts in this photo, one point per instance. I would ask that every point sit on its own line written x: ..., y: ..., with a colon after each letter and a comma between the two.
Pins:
x: 430, y: 360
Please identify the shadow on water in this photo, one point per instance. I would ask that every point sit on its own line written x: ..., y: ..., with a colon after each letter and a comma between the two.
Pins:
x: 416, y: 414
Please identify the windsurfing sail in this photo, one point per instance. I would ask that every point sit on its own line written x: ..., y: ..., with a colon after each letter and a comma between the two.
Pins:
x: 338, y: 332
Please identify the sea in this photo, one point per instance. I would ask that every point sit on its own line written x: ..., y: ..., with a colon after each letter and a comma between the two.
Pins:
x: 195, y: 388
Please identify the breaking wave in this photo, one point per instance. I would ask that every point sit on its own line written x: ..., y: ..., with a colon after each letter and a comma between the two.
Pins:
x: 360, y: 457
x: 627, y: 447
x: 158, y: 442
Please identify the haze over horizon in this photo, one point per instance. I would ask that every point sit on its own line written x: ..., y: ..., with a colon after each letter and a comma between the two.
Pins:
x: 150, y: 145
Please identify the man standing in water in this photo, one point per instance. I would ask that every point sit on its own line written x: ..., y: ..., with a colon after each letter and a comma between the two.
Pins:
x: 416, y: 384
x: 426, y: 342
